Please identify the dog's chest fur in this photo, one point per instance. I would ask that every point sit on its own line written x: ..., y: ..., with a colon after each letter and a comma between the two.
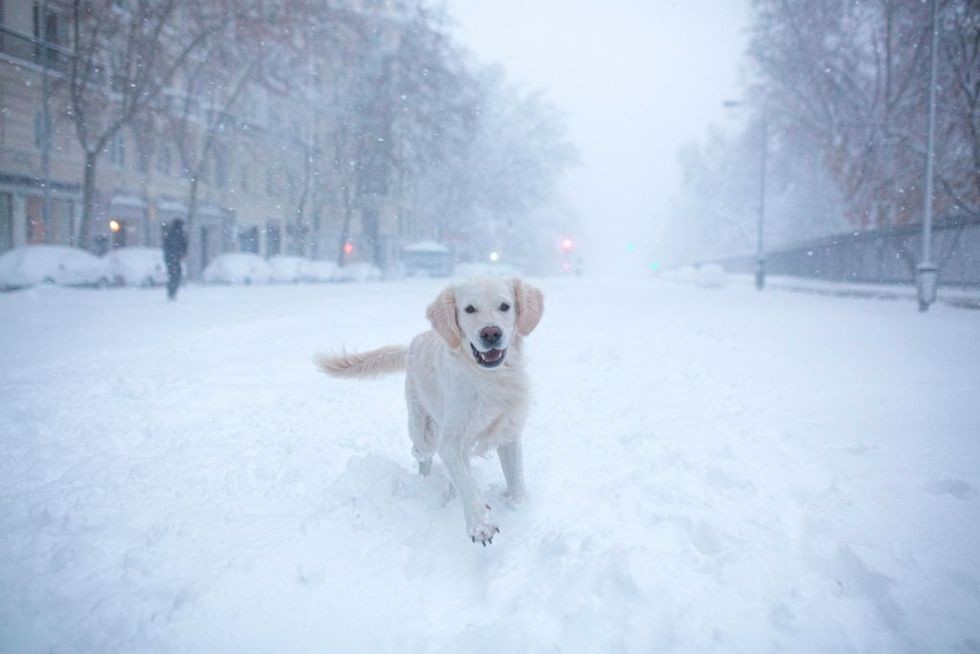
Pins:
x: 453, y: 389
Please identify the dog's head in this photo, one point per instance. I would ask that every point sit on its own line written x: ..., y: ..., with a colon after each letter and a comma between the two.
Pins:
x: 486, y: 316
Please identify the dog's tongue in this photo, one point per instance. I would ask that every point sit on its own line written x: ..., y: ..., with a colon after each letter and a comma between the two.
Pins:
x: 492, y: 355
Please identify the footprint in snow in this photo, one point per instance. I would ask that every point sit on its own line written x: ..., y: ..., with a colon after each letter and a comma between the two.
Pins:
x: 951, y: 486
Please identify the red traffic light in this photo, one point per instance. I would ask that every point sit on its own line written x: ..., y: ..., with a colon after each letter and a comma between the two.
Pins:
x: 348, y: 248
x: 567, y: 245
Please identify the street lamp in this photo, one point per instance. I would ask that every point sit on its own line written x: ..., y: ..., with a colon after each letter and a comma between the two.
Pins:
x: 927, y: 273
x: 760, y: 256
x: 46, y: 116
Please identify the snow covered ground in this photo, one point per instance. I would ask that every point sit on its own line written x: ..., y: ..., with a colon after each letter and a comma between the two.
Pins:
x: 710, y: 470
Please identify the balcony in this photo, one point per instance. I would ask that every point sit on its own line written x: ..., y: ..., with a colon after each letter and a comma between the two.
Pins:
x: 31, y: 50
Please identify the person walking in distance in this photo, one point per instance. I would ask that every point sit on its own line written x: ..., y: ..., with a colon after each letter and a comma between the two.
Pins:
x: 174, y: 250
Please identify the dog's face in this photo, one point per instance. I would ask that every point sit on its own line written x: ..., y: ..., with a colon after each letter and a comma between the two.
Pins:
x: 485, y: 315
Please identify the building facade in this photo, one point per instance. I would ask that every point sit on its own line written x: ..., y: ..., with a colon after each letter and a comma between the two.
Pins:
x: 258, y: 190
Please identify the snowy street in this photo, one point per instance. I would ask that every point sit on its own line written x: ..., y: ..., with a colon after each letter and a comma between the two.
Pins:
x: 708, y: 469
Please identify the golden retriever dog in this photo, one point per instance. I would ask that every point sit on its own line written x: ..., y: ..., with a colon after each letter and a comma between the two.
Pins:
x: 465, y: 385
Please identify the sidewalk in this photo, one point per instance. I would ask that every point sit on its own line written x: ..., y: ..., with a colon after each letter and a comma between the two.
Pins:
x: 966, y: 298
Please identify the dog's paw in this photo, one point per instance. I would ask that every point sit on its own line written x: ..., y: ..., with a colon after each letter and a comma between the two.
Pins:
x: 483, y: 533
x: 482, y: 530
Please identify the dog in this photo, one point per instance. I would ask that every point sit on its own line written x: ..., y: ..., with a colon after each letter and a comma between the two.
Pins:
x: 465, y: 385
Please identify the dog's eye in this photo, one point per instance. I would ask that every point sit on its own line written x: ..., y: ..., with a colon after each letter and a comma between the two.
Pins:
x: 470, y: 309
x: 504, y: 307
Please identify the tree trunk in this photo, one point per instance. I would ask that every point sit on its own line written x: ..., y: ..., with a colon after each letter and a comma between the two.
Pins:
x: 345, y: 231
x: 370, y: 229
x: 315, y: 242
x: 88, y: 201
x: 194, y: 246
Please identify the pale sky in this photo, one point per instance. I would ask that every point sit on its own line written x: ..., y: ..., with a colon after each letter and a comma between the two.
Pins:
x: 637, y: 79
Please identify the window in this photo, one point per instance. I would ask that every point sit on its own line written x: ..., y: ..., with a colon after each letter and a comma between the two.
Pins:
x: 163, y: 160
x: 117, y: 150
x: 142, y: 155
x: 55, y: 33
x: 273, y: 239
x: 39, y: 129
x: 6, y: 222
x: 56, y: 229
x: 220, y: 166
x: 244, y: 184
x: 248, y: 240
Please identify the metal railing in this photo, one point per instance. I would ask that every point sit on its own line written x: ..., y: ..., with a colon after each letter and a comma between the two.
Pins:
x: 882, y: 256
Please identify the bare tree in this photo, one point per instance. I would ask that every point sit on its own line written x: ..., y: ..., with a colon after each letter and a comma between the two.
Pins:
x: 212, y: 86
x: 850, y: 79
x: 124, y: 55
x: 959, y: 156
x: 509, y: 170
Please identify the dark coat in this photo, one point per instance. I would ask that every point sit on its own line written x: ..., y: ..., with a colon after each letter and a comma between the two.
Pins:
x: 174, y: 244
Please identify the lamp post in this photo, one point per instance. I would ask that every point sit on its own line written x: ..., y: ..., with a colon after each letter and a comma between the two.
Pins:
x: 45, y: 116
x: 760, y: 256
x: 927, y: 273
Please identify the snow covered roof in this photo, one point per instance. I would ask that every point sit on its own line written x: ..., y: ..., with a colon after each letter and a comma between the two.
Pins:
x: 426, y: 246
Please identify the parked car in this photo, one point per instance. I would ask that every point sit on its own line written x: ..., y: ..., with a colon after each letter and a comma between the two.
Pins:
x: 137, y: 266
x: 287, y: 269
x: 358, y: 272
x: 238, y: 268
x: 320, y: 271
x: 28, y: 265
x: 427, y: 259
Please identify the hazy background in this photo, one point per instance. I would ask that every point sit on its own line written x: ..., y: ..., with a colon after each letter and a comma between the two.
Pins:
x: 542, y: 137
x: 637, y: 79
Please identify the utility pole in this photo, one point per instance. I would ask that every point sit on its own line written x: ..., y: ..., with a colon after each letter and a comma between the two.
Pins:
x: 760, y: 257
x: 927, y: 271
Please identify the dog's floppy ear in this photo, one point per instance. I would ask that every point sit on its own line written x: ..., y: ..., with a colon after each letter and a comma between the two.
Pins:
x: 530, y: 306
x: 442, y: 314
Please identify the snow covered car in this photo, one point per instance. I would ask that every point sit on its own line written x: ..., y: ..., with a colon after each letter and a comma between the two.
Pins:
x: 137, y: 266
x: 320, y: 271
x: 286, y: 269
x: 238, y: 268
x: 358, y: 272
x: 28, y: 265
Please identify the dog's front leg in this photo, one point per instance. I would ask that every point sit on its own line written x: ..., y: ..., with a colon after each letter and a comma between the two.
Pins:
x: 454, y: 452
x: 512, y: 463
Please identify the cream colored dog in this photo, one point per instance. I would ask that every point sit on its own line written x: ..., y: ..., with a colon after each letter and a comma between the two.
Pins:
x: 465, y: 386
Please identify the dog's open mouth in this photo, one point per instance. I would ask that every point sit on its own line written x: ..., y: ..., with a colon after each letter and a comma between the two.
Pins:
x: 490, y: 358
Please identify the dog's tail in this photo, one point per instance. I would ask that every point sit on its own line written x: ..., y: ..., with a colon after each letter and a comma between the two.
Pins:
x: 361, y: 365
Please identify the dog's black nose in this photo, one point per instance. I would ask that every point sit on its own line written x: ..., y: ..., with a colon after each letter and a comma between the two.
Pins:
x: 491, y: 335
